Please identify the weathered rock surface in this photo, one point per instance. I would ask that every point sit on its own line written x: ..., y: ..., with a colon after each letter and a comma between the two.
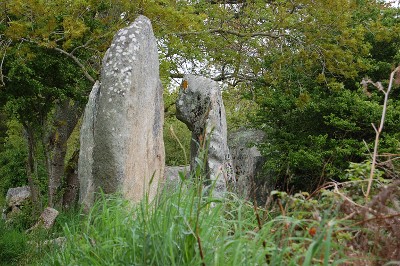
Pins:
x: 46, y: 219
x: 85, y: 161
x: 172, y: 176
x: 172, y: 172
x: 126, y: 119
x: 247, y: 159
x: 16, y: 198
x: 200, y: 107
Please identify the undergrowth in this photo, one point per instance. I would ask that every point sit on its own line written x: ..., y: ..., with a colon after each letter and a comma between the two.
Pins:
x: 186, y: 227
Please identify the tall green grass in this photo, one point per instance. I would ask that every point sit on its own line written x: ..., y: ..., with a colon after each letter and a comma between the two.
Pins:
x: 12, y: 244
x: 184, y: 226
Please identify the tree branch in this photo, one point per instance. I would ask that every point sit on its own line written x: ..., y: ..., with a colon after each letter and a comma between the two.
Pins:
x: 76, y: 60
x: 230, y: 2
x: 231, y: 32
x: 220, y: 77
x: 7, y: 43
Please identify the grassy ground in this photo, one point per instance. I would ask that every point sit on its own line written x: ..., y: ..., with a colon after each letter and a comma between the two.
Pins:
x: 186, y: 227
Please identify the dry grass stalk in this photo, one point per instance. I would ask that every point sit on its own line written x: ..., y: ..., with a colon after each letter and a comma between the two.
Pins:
x: 378, y: 131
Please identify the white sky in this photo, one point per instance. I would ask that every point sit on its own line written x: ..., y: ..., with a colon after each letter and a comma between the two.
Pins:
x: 395, y: 3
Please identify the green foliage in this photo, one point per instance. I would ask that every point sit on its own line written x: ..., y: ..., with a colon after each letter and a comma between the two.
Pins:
x: 174, y: 154
x: 169, y: 230
x: 13, y: 162
x: 23, y: 219
x: 316, y: 116
x: 13, y: 244
x: 361, y: 171
x: 3, y: 129
x: 37, y: 80
x: 175, y: 134
x: 12, y: 159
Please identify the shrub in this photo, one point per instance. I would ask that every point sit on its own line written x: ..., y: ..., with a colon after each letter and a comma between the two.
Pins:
x: 13, y: 244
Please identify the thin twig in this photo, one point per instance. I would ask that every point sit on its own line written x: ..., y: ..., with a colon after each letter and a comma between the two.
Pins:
x: 376, y: 218
x: 281, y: 207
x: 378, y: 131
x: 200, y: 247
x: 231, y: 32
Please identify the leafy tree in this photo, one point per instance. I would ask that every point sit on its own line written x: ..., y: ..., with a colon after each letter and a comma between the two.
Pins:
x: 51, y: 53
x: 39, y: 83
x: 315, y: 112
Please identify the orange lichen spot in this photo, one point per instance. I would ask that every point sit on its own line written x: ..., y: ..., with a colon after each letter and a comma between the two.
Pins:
x: 184, y: 84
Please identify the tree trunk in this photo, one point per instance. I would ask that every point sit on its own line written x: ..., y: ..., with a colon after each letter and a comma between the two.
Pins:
x: 30, y: 169
x: 65, y: 119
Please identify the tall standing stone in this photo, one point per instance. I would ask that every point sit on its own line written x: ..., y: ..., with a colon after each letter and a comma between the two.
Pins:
x: 85, y: 161
x: 200, y: 107
x: 128, y: 148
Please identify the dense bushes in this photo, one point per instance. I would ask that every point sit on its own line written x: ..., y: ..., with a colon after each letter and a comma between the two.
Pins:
x: 315, y: 133
x: 315, y: 112
x: 13, y: 244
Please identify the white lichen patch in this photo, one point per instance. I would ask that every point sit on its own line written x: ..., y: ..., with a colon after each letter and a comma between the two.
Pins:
x: 121, y: 59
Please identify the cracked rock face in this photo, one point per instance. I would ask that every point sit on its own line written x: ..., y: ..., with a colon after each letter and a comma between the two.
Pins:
x: 126, y: 119
x: 200, y: 107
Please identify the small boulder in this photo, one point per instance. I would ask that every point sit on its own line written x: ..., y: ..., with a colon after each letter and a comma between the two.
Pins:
x: 17, y: 196
x: 172, y: 173
x: 172, y: 178
x: 46, y: 219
